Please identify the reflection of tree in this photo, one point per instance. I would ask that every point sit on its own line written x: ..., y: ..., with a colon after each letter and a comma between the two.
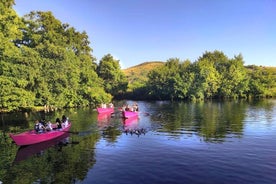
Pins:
x: 109, y: 125
x: 65, y: 164
x: 262, y: 105
x: 7, y: 149
x: 7, y: 154
x: 211, y: 120
x: 219, y: 119
x: 110, y: 133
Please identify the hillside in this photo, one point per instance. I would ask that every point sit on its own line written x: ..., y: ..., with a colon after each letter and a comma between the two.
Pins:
x: 139, y: 72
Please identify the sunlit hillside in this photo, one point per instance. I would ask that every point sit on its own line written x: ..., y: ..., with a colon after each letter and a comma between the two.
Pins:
x: 140, y: 71
x: 137, y: 75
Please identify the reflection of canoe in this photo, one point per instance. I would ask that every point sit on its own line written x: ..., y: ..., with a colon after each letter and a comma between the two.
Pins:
x: 31, y: 137
x: 25, y: 152
x: 131, y: 126
x: 132, y: 122
x: 105, y: 110
x: 129, y: 114
x: 103, y: 119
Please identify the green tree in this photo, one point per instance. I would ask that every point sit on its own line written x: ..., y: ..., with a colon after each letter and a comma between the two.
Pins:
x: 230, y: 75
x: 234, y: 82
x: 109, y: 70
x: 45, y: 62
x: 212, y: 75
x: 13, y: 79
x: 185, y: 71
x: 206, y: 81
x: 170, y: 81
x: 68, y: 75
x: 262, y: 81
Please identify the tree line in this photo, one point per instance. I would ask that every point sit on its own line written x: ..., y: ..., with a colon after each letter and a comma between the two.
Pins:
x: 212, y: 75
x: 44, y: 62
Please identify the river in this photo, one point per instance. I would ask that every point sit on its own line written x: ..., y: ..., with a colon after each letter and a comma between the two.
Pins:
x: 170, y: 142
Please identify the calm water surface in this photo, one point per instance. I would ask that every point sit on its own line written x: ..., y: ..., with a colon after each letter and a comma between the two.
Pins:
x: 210, y: 142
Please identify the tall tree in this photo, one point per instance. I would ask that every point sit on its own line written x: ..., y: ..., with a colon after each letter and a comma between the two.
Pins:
x: 13, y: 80
x: 234, y: 82
x: 109, y: 70
x: 261, y: 81
x: 207, y: 79
x: 170, y: 81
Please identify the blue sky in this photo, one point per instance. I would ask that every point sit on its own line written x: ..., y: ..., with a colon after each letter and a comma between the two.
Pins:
x: 135, y: 31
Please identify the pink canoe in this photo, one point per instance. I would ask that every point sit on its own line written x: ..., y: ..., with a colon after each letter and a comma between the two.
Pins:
x: 105, y: 110
x: 31, y: 137
x: 25, y: 152
x: 129, y: 114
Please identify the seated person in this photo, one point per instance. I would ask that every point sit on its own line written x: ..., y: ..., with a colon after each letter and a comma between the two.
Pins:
x: 36, y: 126
x: 64, y: 121
x: 110, y: 105
x: 49, y: 126
x: 103, y: 105
x: 39, y: 128
x: 58, y: 123
x: 135, y: 107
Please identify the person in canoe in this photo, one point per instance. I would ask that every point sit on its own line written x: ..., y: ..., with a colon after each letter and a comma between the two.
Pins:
x: 103, y: 105
x: 65, y: 122
x: 58, y: 123
x: 36, y: 126
x: 110, y: 105
x: 39, y: 127
x: 135, y: 107
x: 128, y: 108
x: 49, y: 126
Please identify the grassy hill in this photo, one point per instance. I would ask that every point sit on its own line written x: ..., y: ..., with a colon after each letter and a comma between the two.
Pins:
x: 139, y: 72
x: 137, y: 75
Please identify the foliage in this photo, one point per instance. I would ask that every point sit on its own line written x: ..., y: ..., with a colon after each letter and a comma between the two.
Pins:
x: 12, y: 75
x: 45, y: 62
x: 262, y: 81
x: 213, y: 75
x: 109, y: 70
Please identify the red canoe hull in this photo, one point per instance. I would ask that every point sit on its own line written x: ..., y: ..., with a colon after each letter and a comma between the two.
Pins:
x: 31, y: 137
x: 105, y: 110
x: 129, y: 114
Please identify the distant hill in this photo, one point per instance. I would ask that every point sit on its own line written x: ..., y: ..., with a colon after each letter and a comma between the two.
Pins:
x: 137, y: 75
x: 143, y: 66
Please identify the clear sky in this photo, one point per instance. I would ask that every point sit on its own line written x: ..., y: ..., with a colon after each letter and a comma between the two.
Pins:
x: 135, y: 31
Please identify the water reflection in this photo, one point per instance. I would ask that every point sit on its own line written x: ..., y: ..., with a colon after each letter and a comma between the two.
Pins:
x: 131, y: 126
x: 213, y: 121
x: 65, y: 162
x: 104, y: 120
x: 209, y: 122
x: 108, y: 125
